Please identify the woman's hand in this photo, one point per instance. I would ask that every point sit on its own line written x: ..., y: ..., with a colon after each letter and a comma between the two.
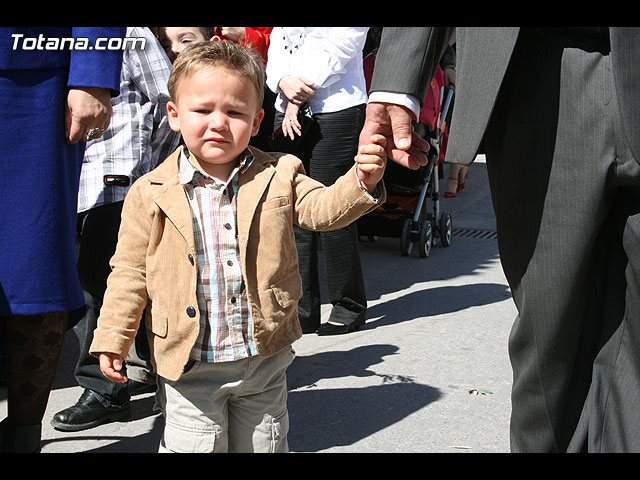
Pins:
x: 86, y: 109
x: 290, y: 124
x: 296, y: 89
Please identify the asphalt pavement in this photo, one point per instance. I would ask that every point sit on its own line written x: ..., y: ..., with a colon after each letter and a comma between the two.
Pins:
x: 427, y: 373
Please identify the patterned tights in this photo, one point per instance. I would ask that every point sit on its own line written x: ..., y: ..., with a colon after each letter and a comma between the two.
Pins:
x: 33, y: 344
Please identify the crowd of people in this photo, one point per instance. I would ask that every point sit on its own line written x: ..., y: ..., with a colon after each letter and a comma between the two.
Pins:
x: 146, y: 215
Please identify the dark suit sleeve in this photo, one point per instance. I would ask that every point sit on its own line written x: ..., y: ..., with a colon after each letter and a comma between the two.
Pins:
x: 96, y: 67
x: 408, y: 58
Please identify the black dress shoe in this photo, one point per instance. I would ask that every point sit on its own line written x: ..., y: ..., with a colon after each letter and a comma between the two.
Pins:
x: 334, y: 329
x: 138, y: 388
x: 89, y: 412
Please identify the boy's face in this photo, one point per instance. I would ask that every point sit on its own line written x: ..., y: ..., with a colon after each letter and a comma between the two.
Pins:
x: 217, y: 112
x: 175, y: 39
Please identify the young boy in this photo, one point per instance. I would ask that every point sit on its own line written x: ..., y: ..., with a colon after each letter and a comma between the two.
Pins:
x: 176, y: 39
x: 207, y: 242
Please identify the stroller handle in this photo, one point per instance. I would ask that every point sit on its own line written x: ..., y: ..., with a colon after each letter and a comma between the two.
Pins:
x: 445, y: 108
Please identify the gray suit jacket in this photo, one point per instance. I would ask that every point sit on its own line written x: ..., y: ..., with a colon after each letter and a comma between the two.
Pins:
x: 408, y: 57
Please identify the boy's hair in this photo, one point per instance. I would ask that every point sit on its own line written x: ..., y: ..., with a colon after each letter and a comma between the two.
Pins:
x: 245, y: 61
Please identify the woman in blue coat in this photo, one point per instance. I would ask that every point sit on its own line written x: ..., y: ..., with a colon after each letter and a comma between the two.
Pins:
x: 55, y: 89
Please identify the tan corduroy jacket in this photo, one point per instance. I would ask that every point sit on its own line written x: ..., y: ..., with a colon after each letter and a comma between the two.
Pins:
x: 154, y: 265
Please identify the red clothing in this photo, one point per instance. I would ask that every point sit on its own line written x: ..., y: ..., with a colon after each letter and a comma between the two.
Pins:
x: 256, y: 37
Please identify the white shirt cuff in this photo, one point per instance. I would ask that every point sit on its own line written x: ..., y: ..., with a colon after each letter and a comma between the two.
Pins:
x: 403, y: 99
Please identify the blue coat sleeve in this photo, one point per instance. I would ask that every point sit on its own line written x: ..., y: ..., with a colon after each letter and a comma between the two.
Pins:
x: 96, y: 67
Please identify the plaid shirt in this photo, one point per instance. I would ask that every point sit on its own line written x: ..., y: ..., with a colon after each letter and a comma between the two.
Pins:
x: 225, y: 321
x: 138, y: 137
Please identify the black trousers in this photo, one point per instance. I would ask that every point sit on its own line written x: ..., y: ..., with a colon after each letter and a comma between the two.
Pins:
x: 95, y: 245
x: 566, y: 193
x: 328, y: 154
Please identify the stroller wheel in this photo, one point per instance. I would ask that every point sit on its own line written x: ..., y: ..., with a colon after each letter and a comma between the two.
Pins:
x: 406, y: 245
x: 446, y: 230
x: 425, y: 237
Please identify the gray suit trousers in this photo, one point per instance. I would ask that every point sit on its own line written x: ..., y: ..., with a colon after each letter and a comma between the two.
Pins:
x: 566, y: 192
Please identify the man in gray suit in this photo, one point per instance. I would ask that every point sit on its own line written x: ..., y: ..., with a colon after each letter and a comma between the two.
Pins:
x: 557, y: 113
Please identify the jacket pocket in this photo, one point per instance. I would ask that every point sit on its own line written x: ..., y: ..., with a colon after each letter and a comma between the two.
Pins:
x: 289, y: 290
x: 279, y: 428
x: 281, y: 299
x: 287, y: 297
x: 276, y: 202
x: 157, y: 321
x: 191, y: 439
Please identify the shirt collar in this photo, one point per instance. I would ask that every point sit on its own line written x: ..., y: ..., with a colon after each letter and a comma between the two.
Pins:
x: 188, y: 173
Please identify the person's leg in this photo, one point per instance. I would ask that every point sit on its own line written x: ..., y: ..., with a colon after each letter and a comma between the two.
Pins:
x: 309, y: 304
x: 345, y: 280
x: 258, y: 415
x: 332, y: 157
x: 195, y: 407
x: 96, y: 243
x: 615, y: 426
x: 142, y: 378
x: 102, y: 401
x: 610, y: 422
x: 307, y: 242
x: 238, y: 406
x: 549, y: 156
x: 33, y: 344
x: 457, y: 179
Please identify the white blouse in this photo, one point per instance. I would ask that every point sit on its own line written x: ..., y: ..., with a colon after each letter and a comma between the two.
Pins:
x: 331, y: 57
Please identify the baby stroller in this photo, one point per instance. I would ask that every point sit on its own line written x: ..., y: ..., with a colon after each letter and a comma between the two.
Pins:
x: 405, y: 214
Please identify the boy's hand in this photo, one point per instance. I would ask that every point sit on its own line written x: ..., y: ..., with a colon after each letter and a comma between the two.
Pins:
x: 110, y: 366
x: 372, y: 160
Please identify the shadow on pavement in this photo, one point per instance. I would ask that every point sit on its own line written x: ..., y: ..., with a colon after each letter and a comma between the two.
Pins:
x: 324, y: 418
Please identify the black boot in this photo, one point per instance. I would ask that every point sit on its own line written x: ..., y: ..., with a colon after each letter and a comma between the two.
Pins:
x: 19, y: 438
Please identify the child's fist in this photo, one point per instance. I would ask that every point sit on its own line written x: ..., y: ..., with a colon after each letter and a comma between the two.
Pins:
x: 372, y: 160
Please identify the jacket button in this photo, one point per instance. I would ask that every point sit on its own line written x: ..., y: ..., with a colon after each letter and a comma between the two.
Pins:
x: 191, y: 312
x: 190, y: 258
